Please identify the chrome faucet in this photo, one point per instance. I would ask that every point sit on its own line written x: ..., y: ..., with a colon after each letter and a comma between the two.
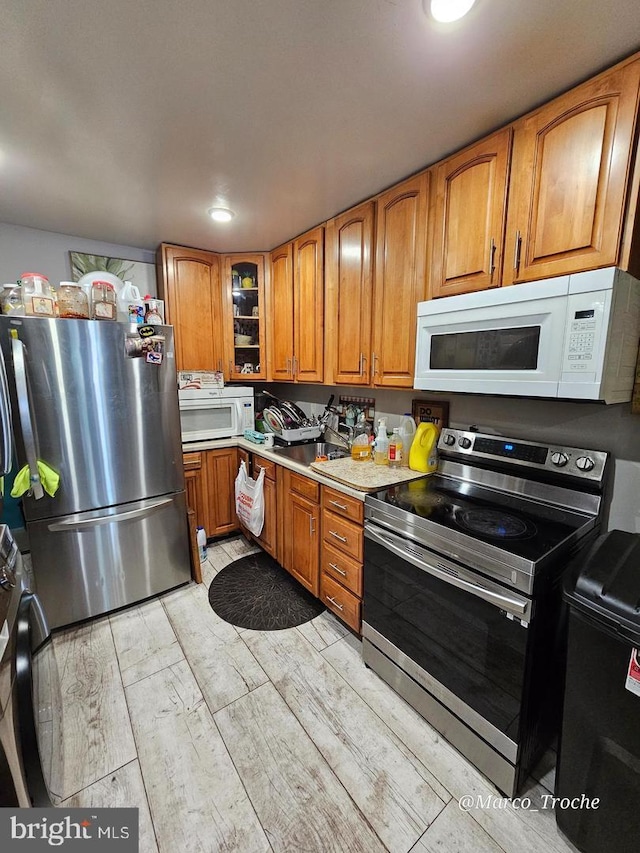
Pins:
x: 336, y: 437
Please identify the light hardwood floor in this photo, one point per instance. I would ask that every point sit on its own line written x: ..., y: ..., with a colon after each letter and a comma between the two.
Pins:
x: 238, y: 740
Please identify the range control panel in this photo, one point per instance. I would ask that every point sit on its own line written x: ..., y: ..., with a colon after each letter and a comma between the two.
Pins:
x: 571, y: 461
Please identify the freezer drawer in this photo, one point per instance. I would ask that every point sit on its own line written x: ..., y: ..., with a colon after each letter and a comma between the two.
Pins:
x: 92, y: 562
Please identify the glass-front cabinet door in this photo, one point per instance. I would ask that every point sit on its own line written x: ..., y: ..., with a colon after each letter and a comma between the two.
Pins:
x: 245, y: 322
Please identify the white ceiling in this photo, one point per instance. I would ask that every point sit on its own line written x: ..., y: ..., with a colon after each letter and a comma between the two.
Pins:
x: 125, y: 120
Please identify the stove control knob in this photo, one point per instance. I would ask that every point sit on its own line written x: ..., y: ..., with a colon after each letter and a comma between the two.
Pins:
x: 559, y: 459
x: 465, y: 442
x: 449, y: 439
x: 585, y: 463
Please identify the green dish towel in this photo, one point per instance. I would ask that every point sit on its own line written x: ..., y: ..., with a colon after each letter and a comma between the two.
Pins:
x: 49, y: 478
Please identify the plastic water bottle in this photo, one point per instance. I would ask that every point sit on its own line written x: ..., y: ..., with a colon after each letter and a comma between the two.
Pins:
x: 201, y: 538
x: 381, y: 454
x: 130, y: 304
x: 407, y: 431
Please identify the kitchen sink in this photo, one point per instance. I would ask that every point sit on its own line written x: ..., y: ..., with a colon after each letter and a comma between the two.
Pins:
x: 307, y: 453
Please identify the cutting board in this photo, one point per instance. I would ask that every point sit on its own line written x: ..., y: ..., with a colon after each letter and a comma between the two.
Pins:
x: 364, y: 476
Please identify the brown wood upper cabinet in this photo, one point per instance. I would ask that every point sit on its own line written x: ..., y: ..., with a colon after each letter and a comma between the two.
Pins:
x: 245, y: 315
x: 280, y: 305
x: 308, y: 306
x: 349, y: 241
x: 189, y: 282
x: 399, y: 283
x: 469, y: 202
x: 570, y: 176
x: 296, y: 310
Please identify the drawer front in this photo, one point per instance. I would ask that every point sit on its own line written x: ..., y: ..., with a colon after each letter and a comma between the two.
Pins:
x: 346, y: 571
x: 192, y: 461
x: 304, y: 486
x: 340, y: 601
x: 344, y: 535
x: 343, y: 505
x: 269, y: 467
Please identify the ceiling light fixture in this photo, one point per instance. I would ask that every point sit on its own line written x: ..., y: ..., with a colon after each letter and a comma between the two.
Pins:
x: 447, y: 11
x: 221, y: 214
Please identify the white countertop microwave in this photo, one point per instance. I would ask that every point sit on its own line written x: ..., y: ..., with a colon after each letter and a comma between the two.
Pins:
x: 208, y: 413
x: 573, y: 337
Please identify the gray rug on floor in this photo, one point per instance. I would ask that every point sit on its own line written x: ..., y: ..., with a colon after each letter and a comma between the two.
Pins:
x: 256, y: 592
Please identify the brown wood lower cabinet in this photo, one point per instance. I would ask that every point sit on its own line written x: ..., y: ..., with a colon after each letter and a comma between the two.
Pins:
x: 342, y: 555
x: 268, y: 537
x: 314, y: 532
x: 209, y: 481
x: 195, y: 485
x: 222, y: 469
x: 340, y: 601
x: 300, y: 554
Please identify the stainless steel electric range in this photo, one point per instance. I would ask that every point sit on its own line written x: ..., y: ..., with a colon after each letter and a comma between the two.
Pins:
x: 462, y: 611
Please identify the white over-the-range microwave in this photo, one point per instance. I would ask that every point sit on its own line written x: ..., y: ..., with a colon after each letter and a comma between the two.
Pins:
x: 208, y: 413
x: 573, y: 337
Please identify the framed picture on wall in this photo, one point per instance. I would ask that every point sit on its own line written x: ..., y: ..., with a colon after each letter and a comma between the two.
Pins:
x: 431, y: 411
x: 140, y: 274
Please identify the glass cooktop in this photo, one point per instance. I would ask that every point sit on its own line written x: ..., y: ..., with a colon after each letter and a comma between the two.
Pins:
x: 525, y: 528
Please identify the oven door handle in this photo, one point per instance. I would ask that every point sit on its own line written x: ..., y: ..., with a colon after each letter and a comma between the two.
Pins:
x: 449, y: 573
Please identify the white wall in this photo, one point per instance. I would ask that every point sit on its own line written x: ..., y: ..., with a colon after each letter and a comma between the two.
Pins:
x: 29, y: 250
x: 593, y: 426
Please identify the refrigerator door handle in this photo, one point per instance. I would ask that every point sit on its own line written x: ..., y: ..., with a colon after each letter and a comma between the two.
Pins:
x: 5, y: 421
x: 24, y: 412
x: 73, y: 523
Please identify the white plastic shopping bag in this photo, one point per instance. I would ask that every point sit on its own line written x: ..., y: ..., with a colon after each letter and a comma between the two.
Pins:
x: 250, y: 500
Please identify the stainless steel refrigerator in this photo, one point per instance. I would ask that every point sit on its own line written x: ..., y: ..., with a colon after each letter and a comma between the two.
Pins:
x: 97, y: 403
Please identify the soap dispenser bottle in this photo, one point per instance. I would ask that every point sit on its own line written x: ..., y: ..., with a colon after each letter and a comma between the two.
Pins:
x: 361, y: 443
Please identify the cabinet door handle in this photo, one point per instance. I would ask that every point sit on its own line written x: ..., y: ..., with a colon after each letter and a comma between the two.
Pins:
x: 230, y: 367
x: 363, y: 358
x: 337, y: 536
x: 516, y: 251
x: 335, y: 603
x: 340, y: 506
x: 374, y: 360
x: 492, y: 257
x: 312, y: 523
x: 336, y: 569
x: 289, y: 369
x: 295, y: 367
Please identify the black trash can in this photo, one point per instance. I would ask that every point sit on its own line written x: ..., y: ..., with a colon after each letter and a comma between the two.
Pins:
x: 599, y: 753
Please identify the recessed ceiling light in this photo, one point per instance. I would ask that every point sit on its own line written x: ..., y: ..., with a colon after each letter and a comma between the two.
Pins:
x: 221, y: 214
x: 450, y: 10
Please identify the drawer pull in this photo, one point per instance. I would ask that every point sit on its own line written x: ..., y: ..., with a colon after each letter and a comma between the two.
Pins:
x: 335, y: 603
x: 337, y: 536
x: 336, y: 569
x: 340, y: 506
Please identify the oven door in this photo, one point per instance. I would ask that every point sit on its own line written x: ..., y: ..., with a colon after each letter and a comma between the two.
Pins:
x: 504, y: 341
x: 462, y: 637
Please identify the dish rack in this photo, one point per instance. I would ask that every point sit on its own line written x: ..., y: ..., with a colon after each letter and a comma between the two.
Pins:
x: 302, y: 433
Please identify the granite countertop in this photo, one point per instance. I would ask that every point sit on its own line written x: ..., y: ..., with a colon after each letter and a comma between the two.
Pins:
x: 364, y: 476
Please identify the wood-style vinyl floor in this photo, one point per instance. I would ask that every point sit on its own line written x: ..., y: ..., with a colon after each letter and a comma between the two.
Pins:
x: 237, y: 740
